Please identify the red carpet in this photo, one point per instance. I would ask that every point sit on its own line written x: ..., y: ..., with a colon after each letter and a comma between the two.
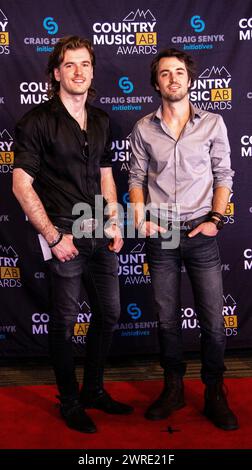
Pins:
x: 30, y: 420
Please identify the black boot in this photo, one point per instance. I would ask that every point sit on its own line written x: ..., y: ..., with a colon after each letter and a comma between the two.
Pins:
x: 216, y: 408
x: 74, y: 415
x: 101, y: 400
x: 93, y: 394
x: 171, y: 398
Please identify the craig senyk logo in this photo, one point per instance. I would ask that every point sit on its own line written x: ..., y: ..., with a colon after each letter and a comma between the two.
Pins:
x: 198, y: 41
x: 6, y: 331
x: 45, y: 44
x: 197, y: 23
x: 135, y: 34
x: 126, y: 102
x: 135, y: 327
x: 4, y: 35
x: 211, y: 91
x: 9, y: 271
x: 6, y: 153
x: 134, y: 311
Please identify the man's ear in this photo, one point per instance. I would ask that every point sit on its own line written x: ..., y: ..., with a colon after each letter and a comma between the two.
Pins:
x: 56, y: 74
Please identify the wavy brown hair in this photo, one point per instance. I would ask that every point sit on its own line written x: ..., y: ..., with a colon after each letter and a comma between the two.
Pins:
x: 57, y: 56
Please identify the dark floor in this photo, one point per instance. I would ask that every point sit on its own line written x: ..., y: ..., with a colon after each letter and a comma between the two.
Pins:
x: 38, y: 371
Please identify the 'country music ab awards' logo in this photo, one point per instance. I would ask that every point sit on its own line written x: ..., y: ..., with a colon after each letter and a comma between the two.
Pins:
x: 121, y: 153
x: 246, y: 145
x: 230, y: 315
x: 4, y: 35
x: 33, y: 92
x: 133, y: 268
x: 6, y: 154
x: 82, y: 323
x: 133, y: 35
x: 40, y: 323
x: 9, y: 271
x: 229, y: 216
x: 245, y: 31
x: 212, y: 91
x: 190, y: 320
x: 247, y: 259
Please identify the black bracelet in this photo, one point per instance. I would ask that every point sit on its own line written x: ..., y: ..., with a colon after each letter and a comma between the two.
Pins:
x: 216, y: 214
x: 56, y: 241
x: 218, y: 223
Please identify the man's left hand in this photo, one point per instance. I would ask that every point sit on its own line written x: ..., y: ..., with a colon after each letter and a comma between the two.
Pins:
x: 206, y: 228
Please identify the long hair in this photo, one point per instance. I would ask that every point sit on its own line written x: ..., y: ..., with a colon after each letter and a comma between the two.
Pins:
x: 182, y: 56
x: 57, y: 56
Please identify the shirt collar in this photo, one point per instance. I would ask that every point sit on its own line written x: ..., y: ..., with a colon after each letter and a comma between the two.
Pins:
x: 194, y: 113
x: 59, y: 106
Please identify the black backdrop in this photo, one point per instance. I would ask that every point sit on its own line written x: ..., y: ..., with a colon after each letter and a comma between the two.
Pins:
x: 126, y: 35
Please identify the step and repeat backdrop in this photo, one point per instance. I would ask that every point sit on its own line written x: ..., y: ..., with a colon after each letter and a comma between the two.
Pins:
x: 126, y: 35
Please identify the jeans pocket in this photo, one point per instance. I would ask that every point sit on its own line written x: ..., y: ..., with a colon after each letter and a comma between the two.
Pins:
x: 210, y: 237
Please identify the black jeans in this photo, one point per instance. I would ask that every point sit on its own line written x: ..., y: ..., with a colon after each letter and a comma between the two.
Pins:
x: 97, y: 266
x: 201, y: 258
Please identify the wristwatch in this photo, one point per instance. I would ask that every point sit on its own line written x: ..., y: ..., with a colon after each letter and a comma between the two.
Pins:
x: 218, y: 223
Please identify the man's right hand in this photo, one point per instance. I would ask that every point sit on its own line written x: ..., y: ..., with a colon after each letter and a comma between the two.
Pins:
x: 149, y: 228
x: 65, y: 249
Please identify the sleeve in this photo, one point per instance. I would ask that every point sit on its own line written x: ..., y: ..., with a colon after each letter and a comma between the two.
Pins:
x: 106, y: 159
x: 220, y: 157
x: 27, y: 145
x: 139, y: 161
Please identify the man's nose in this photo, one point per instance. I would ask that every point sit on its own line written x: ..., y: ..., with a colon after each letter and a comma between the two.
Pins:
x: 77, y: 70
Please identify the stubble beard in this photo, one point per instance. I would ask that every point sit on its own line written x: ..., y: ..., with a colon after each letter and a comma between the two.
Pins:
x: 174, y: 98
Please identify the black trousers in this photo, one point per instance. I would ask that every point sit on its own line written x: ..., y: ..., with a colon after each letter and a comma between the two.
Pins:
x: 97, y: 266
